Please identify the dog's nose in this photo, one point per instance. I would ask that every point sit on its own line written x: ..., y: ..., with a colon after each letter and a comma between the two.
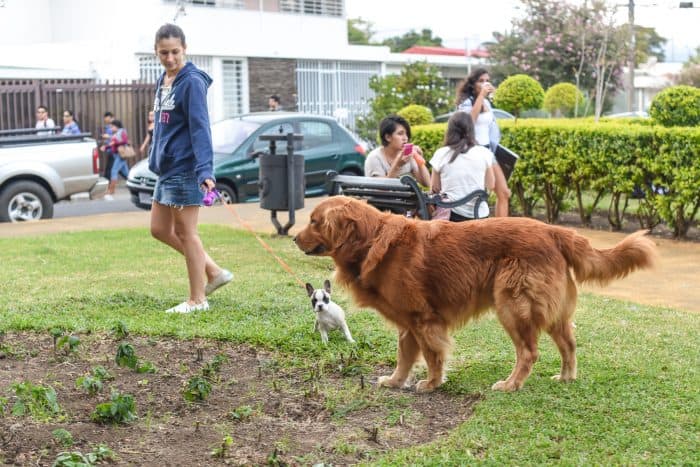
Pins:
x: 294, y: 239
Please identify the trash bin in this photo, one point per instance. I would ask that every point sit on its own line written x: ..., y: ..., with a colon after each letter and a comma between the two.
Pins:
x: 282, y: 185
x: 274, y: 182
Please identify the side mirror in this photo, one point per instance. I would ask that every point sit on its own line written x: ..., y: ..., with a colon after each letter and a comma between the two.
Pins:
x: 256, y: 154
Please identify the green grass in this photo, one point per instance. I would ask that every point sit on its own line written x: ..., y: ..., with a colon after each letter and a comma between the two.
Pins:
x: 636, y: 400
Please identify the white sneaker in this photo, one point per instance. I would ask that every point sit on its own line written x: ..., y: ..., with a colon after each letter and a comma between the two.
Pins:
x: 108, y: 197
x: 185, y: 307
x: 224, y: 277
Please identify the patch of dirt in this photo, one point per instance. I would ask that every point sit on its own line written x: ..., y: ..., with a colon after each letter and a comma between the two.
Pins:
x: 285, y: 416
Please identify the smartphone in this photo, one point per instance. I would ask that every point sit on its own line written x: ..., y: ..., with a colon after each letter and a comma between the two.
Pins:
x: 407, y: 149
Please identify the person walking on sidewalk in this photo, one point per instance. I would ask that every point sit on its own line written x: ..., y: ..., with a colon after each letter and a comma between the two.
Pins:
x: 182, y: 156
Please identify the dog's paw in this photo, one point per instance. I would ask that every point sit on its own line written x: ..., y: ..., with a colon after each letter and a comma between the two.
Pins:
x: 388, y: 382
x: 505, y: 386
x: 563, y: 379
x: 424, y: 386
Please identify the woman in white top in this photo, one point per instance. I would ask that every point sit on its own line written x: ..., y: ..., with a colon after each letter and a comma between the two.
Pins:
x: 472, y: 98
x: 462, y: 166
x: 390, y: 160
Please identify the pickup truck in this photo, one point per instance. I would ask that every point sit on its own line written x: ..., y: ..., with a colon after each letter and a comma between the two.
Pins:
x: 40, y: 168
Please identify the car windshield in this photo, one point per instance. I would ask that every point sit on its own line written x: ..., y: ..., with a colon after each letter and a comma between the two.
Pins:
x: 227, y: 135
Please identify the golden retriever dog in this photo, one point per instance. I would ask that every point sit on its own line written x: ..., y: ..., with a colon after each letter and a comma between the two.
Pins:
x: 428, y: 278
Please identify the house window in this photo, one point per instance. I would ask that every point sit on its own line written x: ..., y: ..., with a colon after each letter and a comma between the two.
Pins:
x: 338, y: 89
x: 232, y: 84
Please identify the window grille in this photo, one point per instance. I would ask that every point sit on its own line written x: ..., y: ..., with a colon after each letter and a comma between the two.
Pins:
x: 338, y: 89
x: 232, y: 83
x: 150, y: 68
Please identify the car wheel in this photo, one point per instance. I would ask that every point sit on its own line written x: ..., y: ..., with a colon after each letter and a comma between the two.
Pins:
x: 228, y: 194
x: 336, y: 186
x: 25, y: 201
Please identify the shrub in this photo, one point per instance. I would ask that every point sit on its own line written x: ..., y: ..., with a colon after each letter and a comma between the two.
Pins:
x: 561, y: 99
x: 120, y: 409
x: 519, y: 93
x: 416, y: 114
x: 676, y: 106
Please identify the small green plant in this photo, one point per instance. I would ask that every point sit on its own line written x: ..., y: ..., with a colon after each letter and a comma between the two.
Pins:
x: 77, y: 459
x: 126, y: 356
x: 120, y: 409
x: 55, y: 334
x: 219, y: 452
x: 101, y: 373
x: 93, y: 382
x: 241, y: 413
x: 3, y: 406
x: 89, y: 383
x: 146, y: 367
x: 68, y: 343
x: 210, y: 370
x: 63, y: 437
x: 120, y: 330
x: 40, y: 402
x: 198, y: 389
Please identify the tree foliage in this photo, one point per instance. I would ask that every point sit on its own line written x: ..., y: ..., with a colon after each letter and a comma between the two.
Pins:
x: 360, y: 31
x: 519, y: 93
x: 411, y: 38
x: 418, y: 83
x: 558, y: 42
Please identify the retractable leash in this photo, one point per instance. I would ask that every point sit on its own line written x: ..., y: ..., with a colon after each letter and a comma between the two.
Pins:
x: 208, y: 200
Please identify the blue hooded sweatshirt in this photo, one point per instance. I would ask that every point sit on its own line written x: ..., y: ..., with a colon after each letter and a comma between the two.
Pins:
x: 182, y: 135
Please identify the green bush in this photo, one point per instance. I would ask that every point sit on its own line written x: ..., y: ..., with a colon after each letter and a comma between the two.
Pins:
x: 561, y: 100
x: 416, y: 114
x: 676, y: 106
x: 565, y: 158
x: 519, y: 93
x: 429, y: 138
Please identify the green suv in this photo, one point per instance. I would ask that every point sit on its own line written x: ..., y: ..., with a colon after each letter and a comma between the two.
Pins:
x: 326, y: 145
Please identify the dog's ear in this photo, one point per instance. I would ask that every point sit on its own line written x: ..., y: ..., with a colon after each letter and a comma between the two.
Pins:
x: 309, y: 289
x: 327, y: 286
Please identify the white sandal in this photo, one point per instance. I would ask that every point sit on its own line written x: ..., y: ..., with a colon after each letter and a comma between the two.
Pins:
x: 224, y: 277
x: 185, y: 307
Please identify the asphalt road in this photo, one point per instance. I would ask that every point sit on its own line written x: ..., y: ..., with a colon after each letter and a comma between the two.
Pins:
x: 81, y: 205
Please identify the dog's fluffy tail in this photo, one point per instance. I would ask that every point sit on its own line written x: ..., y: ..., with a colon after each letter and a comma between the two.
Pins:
x: 636, y: 251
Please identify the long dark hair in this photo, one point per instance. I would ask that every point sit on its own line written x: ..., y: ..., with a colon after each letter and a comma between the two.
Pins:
x: 170, y: 30
x: 460, y: 134
x: 465, y: 89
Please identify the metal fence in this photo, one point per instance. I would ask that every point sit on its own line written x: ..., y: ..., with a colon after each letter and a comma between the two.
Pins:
x: 88, y: 99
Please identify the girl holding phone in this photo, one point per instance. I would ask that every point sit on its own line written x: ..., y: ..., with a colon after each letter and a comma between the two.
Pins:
x: 396, y: 156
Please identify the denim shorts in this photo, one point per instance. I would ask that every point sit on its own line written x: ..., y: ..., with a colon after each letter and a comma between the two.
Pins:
x: 179, y: 190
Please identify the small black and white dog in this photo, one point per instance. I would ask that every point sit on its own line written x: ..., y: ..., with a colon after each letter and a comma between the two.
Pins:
x: 329, y: 315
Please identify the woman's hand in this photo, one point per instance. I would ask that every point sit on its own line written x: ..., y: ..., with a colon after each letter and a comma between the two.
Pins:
x: 208, y: 184
x: 486, y: 89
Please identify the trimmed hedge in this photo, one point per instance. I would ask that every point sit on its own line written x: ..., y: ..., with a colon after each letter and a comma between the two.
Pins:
x: 416, y: 114
x: 566, y: 157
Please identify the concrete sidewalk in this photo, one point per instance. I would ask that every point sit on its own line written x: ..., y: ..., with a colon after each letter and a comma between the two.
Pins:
x: 674, y: 283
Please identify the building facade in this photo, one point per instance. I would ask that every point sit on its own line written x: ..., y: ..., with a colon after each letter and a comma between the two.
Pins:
x: 296, y: 49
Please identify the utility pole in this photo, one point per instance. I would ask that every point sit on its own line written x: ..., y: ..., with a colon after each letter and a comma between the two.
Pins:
x: 631, y: 57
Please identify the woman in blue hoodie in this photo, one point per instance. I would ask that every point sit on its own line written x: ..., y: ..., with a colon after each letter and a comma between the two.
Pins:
x: 182, y: 156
